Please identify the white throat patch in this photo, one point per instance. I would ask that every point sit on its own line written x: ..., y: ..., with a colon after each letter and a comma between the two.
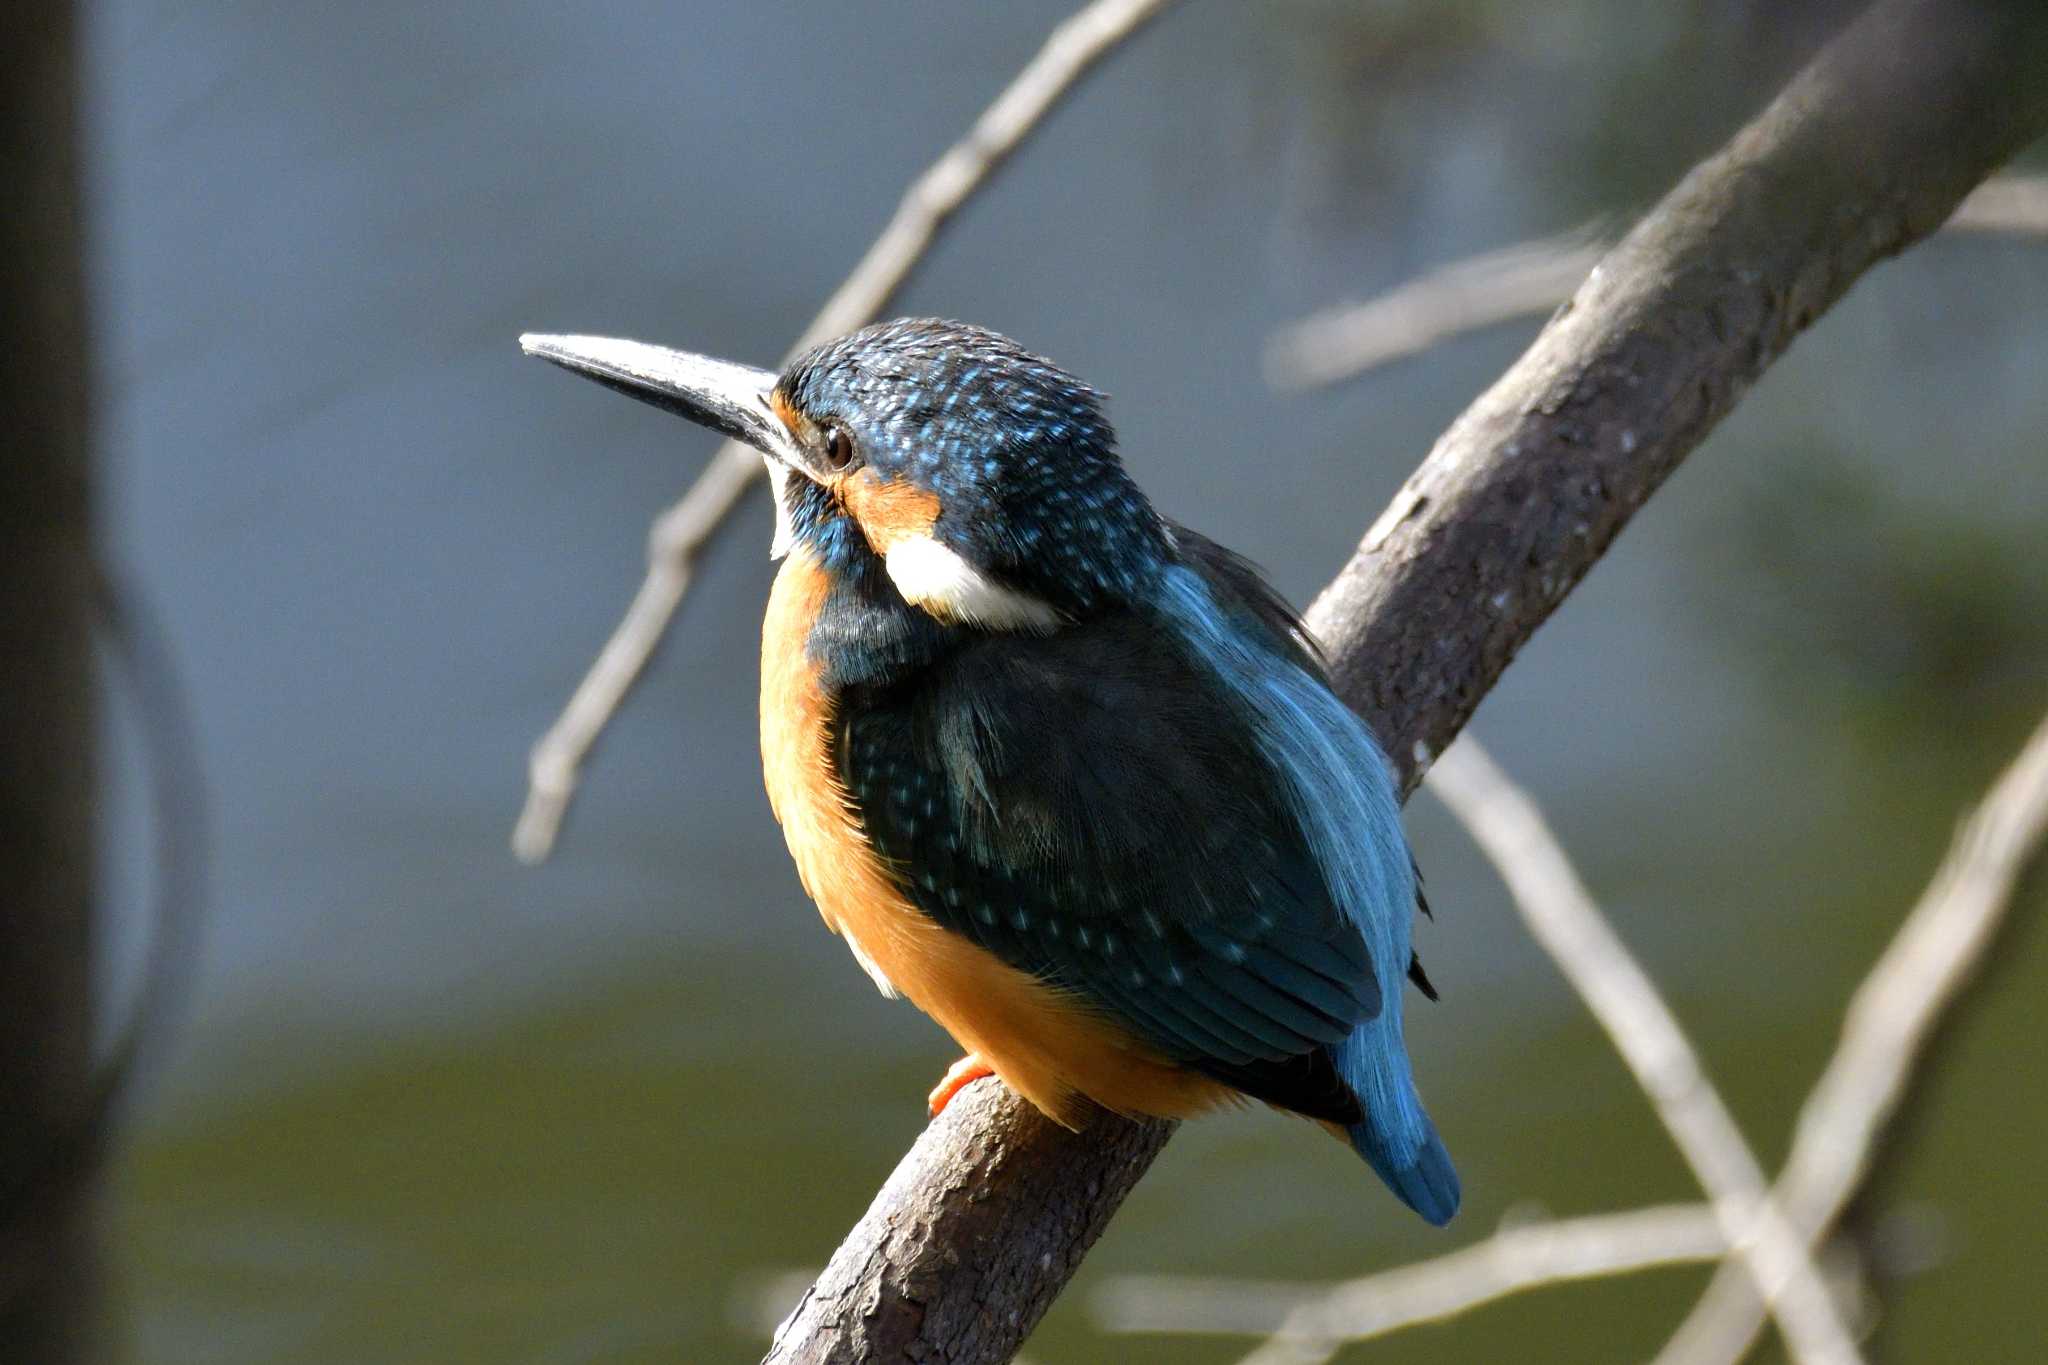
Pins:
x: 778, y: 484
x: 947, y: 586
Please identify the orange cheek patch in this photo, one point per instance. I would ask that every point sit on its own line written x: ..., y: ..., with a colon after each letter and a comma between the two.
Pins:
x: 799, y: 426
x: 888, y: 511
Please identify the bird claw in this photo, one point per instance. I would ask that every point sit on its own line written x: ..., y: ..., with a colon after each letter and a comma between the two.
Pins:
x: 958, y: 1077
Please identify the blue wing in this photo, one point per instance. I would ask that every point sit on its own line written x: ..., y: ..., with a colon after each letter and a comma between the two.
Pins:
x: 1085, y: 806
x: 1172, y: 818
x: 1342, y: 796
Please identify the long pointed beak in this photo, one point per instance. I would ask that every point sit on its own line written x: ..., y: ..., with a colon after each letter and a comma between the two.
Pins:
x: 728, y: 398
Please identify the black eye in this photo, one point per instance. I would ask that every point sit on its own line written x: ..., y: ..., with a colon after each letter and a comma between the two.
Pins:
x: 838, y: 448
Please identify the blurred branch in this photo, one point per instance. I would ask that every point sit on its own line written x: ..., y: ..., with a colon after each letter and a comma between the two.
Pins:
x: 42, y: 1183
x: 1867, y: 150
x: 682, y: 532
x: 1311, y: 1322
x: 1525, y: 280
x: 1886, y: 1031
x: 2005, y: 205
x: 1562, y: 916
x: 49, y: 1288
x: 1449, y: 300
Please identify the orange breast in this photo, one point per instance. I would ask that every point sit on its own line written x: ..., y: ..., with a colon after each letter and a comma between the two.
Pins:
x: 1044, y: 1045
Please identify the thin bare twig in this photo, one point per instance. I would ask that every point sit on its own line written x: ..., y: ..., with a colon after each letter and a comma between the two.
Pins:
x: 1529, y: 279
x: 1889, y: 1021
x: 1519, y: 281
x: 1309, y: 1317
x: 680, y: 535
x: 1562, y: 916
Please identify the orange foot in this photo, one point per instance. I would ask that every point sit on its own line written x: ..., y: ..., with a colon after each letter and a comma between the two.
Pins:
x: 958, y: 1076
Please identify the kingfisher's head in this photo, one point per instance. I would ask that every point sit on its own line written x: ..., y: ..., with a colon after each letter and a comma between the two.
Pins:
x: 983, y: 479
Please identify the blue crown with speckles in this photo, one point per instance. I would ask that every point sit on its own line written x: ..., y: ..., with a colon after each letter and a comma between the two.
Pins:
x: 1016, y: 449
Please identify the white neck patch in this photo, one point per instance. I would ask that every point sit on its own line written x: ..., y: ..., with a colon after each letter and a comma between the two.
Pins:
x: 785, y: 530
x: 935, y: 578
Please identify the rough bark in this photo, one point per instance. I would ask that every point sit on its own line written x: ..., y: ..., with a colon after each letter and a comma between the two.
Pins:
x: 972, y: 1238
x: 46, y: 713
x: 1867, y: 150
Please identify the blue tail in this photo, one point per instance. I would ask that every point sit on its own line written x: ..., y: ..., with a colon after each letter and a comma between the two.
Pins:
x: 1427, y: 1182
x: 1343, y: 794
x: 1396, y: 1137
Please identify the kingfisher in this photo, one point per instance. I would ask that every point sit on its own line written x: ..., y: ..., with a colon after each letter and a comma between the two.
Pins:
x: 1066, y: 774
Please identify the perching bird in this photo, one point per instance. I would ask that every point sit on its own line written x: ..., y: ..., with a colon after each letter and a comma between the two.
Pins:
x: 1069, y: 776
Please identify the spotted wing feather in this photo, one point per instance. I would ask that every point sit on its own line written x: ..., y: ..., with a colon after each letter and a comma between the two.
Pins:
x: 1085, y: 807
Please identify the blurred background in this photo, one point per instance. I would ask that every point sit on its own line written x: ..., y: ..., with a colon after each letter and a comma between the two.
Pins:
x: 432, y: 1105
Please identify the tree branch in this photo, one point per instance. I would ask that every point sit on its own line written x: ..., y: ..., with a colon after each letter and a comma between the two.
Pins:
x: 1311, y: 1317
x: 1867, y: 150
x: 682, y: 532
x: 972, y: 1238
x: 1562, y: 916
x: 1527, y: 279
x: 1496, y: 286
